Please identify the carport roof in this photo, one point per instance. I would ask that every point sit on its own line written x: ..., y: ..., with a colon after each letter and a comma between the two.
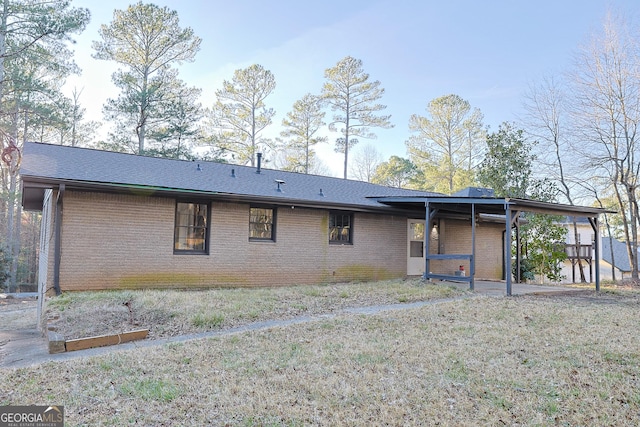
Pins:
x: 490, y: 205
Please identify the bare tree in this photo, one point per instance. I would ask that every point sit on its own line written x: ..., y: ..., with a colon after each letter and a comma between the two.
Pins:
x: 547, y: 123
x: 365, y: 162
x: 607, y: 111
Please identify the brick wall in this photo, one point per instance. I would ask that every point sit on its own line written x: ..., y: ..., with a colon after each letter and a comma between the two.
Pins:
x: 455, y: 238
x: 112, y: 241
x: 126, y: 241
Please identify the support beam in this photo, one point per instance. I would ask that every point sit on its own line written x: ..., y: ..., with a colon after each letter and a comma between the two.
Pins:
x: 427, y: 237
x: 596, y: 232
x: 516, y: 221
x: 507, y: 246
x: 472, y: 261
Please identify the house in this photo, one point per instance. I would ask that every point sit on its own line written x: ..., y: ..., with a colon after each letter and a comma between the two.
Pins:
x: 582, y: 257
x: 615, y: 256
x: 613, y: 253
x: 113, y: 221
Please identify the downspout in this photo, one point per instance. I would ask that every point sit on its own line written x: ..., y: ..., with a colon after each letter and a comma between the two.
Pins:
x: 57, y: 253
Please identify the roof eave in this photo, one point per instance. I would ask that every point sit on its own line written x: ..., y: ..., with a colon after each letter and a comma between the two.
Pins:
x: 39, y: 184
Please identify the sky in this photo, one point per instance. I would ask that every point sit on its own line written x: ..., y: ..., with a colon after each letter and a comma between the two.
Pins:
x: 488, y: 52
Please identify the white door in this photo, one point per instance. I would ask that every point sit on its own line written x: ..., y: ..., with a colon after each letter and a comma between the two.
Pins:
x: 415, y: 247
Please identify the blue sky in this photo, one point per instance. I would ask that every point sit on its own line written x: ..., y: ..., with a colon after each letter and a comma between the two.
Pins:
x: 488, y: 52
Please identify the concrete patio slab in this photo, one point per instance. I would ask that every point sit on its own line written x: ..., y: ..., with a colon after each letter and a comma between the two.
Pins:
x: 499, y: 288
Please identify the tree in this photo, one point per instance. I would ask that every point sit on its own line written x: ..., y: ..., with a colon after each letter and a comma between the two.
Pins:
x: 547, y: 121
x: 508, y: 169
x: 66, y: 124
x: 34, y: 61
x: 354, y: 99
x: 607, y: 115
x: 148, y: 41
x: 181, y: 114
x: 365, y: 163
x: 301, y: 127
x: 396, y: 172
x: 240, y: 114
x: 449, y: 140
x: 39, y: 29
x: 543, y: 240
x: 81, y: 133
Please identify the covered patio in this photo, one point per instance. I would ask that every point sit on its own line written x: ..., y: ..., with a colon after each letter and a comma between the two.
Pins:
x: 505, y: 210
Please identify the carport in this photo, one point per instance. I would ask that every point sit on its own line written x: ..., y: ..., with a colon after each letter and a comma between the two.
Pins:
x: 507, y: 210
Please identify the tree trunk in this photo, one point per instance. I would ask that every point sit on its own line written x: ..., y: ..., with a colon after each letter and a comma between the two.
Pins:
x: 15, y: 254
x: 346, y: 140
x: 10, y: 225
x: 253, y: 136
x: 633, y: 208
x: 576, y: 241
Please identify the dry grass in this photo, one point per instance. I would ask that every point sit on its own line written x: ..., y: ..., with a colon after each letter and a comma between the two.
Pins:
x: 170, y: 313
x: 17, y: 313
x: 534, y: 361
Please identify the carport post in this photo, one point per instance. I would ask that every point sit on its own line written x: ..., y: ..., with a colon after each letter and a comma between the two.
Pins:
x: 596, y: 232
x: 427, y: 237
x: 507, y: 247
x: 472, y: 261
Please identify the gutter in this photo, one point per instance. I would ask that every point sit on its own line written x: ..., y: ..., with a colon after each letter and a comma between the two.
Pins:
x: 208, y: 195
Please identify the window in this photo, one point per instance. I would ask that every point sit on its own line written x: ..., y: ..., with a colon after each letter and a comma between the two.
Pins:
x: 416, y: 245
x: 262, y: 224
x: 191, y: 228
x: 340, y: 225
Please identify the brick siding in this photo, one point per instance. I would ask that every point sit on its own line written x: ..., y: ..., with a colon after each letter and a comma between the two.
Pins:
x: 126, y: 241
x: 456, y: 239
x: 116, y: 241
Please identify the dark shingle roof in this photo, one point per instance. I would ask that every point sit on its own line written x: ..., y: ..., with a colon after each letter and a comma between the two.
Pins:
x: 45, y: 163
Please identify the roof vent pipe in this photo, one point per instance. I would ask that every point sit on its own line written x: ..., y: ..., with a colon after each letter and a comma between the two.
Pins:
x: 321, y: 193
x: 259, y: 162
x: 233, y: 173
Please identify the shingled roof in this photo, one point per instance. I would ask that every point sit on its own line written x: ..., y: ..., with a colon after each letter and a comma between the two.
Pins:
x: 46, y: 165
x: 621, y: 257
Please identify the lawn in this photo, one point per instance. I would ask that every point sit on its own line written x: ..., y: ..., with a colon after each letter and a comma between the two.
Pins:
x: 177, y: 312
x: 534, y: 361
